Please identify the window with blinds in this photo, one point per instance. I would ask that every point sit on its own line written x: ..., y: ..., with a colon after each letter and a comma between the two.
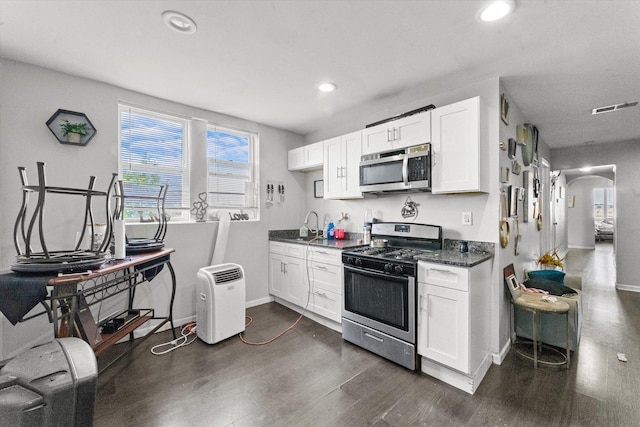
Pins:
x: 153, y: 153
x: 231, y: 180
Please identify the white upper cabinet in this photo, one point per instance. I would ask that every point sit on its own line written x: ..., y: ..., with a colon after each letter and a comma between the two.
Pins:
x: 456, y: 155
x: 397, y: 134
x: 342, y: 166
x: 309, y: 157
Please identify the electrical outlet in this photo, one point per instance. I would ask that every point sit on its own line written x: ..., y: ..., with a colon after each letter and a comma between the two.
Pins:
x: 467, y: 218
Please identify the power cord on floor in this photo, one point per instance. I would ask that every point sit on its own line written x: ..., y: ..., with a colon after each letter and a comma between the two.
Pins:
x: 271, y: 339
x: 299, y: 317
x: 186, y: 331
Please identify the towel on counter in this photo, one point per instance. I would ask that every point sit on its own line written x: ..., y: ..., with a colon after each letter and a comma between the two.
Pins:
x: 19, y: 293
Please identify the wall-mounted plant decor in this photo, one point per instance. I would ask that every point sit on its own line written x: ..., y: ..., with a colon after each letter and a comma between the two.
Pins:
x: 71, y: 127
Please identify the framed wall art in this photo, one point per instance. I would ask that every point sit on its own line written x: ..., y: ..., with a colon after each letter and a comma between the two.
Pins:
x: 504, y: 109
x: 318, y: 189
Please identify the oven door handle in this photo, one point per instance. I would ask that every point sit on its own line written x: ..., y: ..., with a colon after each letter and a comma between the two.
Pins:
x: 405, y: 170
x: 366, y: 272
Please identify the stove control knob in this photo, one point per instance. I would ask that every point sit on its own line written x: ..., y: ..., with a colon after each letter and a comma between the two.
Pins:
x: 398, y: 269
x: 358, y: 262
x: 388, y: 268
x: 350, y: 260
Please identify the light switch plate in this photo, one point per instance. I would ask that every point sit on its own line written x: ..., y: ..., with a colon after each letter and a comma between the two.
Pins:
x: 467, y: 218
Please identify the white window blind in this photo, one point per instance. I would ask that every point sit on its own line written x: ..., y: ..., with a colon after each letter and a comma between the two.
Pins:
x: 153, y: 152
x: 232, y: 169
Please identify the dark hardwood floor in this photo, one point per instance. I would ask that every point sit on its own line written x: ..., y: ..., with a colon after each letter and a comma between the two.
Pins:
x: 311, y: 377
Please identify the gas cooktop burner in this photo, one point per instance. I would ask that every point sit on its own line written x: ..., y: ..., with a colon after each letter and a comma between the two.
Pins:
x: 391, y: 253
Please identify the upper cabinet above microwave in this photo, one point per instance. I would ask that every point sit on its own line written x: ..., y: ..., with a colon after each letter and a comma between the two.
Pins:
x: 456, y: 154
x: 401, y: 133
x: 309, y: 157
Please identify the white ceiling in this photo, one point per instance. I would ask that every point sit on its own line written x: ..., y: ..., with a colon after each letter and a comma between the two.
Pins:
x: 261, y: 60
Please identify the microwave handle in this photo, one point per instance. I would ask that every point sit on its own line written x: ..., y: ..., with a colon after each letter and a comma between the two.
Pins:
x: 405, y: 170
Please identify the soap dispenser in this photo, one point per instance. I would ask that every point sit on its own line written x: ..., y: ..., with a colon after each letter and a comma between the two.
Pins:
x: 331, y: 230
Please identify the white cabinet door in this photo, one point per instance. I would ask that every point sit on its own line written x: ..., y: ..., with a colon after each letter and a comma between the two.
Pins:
x: 377, y: 139
x: 351, y: 153
x: 455, y: 148
x: 296, y: 284
x: 412, y: 130
x: 397, y: 134
x: 295, y: 159
x: 314, y: 155
x: 341, y: 166
x: 276, y: 275
x: 307, y: 158
x: 332, y: 173
x: 287, y: 274
x: 443, y: 326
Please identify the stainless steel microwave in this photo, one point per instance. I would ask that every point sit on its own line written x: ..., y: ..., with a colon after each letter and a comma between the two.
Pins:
x: 405, y: 170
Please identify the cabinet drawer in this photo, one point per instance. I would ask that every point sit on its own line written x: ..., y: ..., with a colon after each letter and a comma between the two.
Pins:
x: 444, y: 275
x: 295, y: 251
x: 276, y: 248
x: 328, y: 256
x: 327, y: 304
x: 326, y: 277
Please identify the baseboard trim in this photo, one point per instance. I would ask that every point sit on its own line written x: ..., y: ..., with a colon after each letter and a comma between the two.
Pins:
x: 581, y: 247
x: 467, y: 383
x: 499, y: 358
x: 630, y: 288
x: 311, y: 315
x: 260, y: 301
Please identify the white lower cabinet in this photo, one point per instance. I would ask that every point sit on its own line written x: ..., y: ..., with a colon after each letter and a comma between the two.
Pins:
x: 444, y: 326
x: 286, y: 273
x: 296, y: 272
x: 454, y: 322
x: 325, y: 279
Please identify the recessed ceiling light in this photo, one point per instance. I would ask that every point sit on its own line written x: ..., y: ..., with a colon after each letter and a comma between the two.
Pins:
x: 496, y: 10
x: 327, y: 87
x: 179, y: 22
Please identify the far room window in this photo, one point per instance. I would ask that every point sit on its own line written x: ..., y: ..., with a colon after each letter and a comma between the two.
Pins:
x: 153, y: 152
x: 603, y: 204
x: 231, y: 183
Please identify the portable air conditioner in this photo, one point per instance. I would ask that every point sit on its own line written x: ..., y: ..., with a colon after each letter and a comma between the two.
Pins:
x: 220, y: 305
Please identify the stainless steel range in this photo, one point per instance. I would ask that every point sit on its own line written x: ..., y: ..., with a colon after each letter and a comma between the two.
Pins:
x: 379, y: 312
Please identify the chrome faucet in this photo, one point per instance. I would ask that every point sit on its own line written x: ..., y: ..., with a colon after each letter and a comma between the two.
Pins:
x: 306, y: 221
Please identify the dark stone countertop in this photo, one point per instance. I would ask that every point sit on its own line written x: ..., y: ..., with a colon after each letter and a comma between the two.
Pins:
x: 454, y: 257
x: 450, y: 254
x: 351, y: 240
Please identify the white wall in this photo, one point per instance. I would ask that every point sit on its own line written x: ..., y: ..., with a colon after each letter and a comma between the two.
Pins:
x: 625, y: 156
x: 30, y: 95
x: 580, y: 218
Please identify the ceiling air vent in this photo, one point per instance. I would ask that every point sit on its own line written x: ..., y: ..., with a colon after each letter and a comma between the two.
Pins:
x: 610, y: 108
